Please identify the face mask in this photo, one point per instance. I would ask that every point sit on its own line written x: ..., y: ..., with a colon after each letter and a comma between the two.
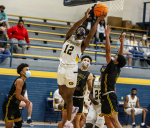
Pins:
x: 28, y: 74
x: 144, y: 38
x: 85, y: 64
x: 2, y: 11
x: 1, y: 32
x: 102, y: 22
x: 132, y: 37
x: 133, y: 94
x: 112, y: 58
x: 80, y: 32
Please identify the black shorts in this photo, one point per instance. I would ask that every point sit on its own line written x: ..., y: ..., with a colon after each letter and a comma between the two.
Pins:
x: 77, y: 102
x: 11, y: 113
x: 109, y: 104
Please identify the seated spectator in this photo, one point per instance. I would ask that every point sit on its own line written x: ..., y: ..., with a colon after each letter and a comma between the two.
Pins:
x: 58, y: 102
x: 129, y: 106
x: 134, y: 50
x: 144, y: 43
x: 126, y: 49
x: 3, y: 46
x: 101, y: 30
x: 29, y: 108
x: 3, y: 17
x: 17, y: 34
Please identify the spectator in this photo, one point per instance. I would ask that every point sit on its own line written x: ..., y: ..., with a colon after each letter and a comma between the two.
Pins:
x: 126, y: 49
x: 134, y: 50
x: 101, y: 30
x: 3, y: 17
x: 58, y: 102
x: 29, y: 108
x: 17, y: 34
x: 144, y: 43
x: 3, y: 46
x: 129, y: 106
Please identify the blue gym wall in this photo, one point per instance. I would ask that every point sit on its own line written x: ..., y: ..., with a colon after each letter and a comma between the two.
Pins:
x: 40, y: 88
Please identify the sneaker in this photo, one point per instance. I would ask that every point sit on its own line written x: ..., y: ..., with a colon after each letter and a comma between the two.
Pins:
x: 74, y: 112
x: 68, y: 125
x: 30, y: 122
x: 134, y: 126
x: 144, y: 126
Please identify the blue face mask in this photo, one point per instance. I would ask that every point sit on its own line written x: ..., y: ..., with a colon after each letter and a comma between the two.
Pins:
x: 28, y: 74
x: 80, y: 32
x: 112, y: 58
x: 144, y: 38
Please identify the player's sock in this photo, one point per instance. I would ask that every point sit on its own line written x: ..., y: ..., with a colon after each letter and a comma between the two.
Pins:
x: 68, y: 124
x: 29, y: 117
x: 142, y: 124
x: 133, y: 123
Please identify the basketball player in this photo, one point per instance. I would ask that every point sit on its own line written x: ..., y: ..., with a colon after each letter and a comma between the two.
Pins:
x: 71, y: 51
x: 16, y: 95
x: 93, y: 116
x: 108, y: 97
x: 84, y: 79
x: 129, y: 106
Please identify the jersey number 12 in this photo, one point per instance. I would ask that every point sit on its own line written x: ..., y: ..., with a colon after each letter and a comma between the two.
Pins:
x: 68, y: 49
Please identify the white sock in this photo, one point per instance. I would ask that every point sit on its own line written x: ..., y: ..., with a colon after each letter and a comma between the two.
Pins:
x: 142, y: 124
x: 133, y: 123
x: 68, y: 121
x: 29, y: 118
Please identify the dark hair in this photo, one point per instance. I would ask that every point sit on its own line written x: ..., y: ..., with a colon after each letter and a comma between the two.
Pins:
x: 121, y: 61
x: 86, y: 56
x: 83, y: 26
x: 101, y: 23
x: 21, y: 66
x: 1, y: 6
x: 94, y: 76
x: 134, y: 89
x: 20, y: 21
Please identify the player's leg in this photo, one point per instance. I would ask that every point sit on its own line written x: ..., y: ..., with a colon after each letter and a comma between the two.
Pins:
x: 82, y: 121
x: 64, y: 119
x: 108, y: 122
x: 29, y: 109
x: 100, y: 122
x: 132, y: 116
x: 76, y: 121
x: 17, y: 119
x: 8, y: 124
x: 114, y: 120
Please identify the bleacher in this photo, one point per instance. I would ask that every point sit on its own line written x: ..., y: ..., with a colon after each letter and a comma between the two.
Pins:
x: 50, y: 32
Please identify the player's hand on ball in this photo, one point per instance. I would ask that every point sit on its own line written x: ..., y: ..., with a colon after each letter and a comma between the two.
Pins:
x: 107, y: 30
x: 103, y: 15
x: 122, y: 38
x: 87, y: 13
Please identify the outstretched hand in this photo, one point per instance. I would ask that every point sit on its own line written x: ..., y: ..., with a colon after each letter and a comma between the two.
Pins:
x: 107, y: 30
x: 102, y: 16
x: 87, y: 13
x: 122, y: 38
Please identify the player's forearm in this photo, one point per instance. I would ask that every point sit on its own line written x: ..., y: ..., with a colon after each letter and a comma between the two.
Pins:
x: 121, y: 48
x: 91, y: 97
x: 21, y: 98
x: 107, y: 45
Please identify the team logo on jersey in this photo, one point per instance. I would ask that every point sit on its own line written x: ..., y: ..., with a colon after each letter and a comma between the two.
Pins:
x: 12, y: 117
x: 71, y: 83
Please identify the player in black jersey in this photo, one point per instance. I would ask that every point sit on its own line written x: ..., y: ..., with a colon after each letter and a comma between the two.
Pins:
x: 109, y: 78
x: 84, y: 80
x: 11, y: 104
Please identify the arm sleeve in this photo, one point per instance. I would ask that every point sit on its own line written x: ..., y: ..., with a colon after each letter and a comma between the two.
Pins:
x: 140, y: 49
x: 9, y: 31
x: 27, y: 37
x: 26, y: 94
x: 5, y: 16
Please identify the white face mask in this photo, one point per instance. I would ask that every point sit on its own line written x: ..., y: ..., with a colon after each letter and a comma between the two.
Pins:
x: 85, y: 64
x: 112, y: 58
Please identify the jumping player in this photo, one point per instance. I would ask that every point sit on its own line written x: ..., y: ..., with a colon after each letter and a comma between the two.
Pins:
x: 93, y: 116
x: 109, y: 78
x: 16, y: 95
x: 71, y: 51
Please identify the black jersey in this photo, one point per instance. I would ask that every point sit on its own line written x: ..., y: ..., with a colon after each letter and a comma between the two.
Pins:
x: 81, y: 82
x: 109, y: 77
x: 12, y: 100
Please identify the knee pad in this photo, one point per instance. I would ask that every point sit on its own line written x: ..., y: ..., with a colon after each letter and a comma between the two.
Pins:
x: 18, y: 124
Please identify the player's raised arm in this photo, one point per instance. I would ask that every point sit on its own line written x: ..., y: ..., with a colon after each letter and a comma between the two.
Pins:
x: 122, y: 44
x: 86, y: 42
x: 77, y: 24
x: 107, y: 45
x: 90, y: 81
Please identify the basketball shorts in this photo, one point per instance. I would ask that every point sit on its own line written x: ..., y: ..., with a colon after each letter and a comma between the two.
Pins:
x: 11, y: 113
x: 109, y: 104
x: 85, y: 110
x: 55, y: 106
x: 137, y: 111
x: 77, y: 102
x: 67, y: 75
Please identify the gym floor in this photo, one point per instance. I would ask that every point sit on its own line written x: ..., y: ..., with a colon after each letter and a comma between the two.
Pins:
x: 45, y: 125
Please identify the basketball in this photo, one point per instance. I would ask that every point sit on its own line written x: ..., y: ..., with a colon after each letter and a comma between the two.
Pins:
x: 100, y: 8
